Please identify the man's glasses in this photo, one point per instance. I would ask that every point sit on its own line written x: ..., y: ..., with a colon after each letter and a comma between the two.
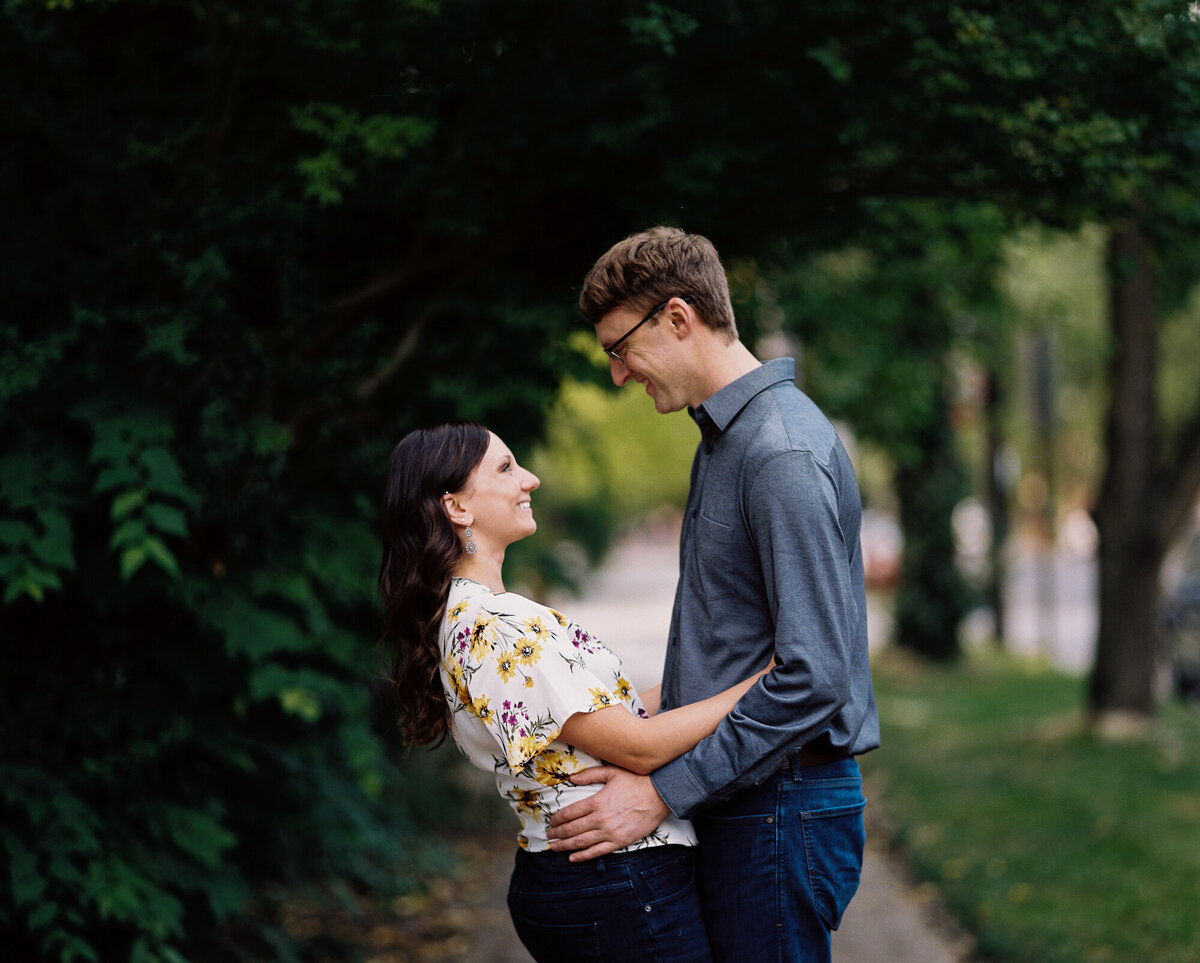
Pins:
x: 611, y: 351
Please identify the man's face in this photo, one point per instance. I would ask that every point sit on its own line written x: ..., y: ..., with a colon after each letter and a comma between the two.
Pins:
x: 651, y: 355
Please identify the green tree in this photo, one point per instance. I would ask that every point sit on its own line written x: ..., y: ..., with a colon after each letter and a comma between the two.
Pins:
x: 1060, y: 114
x: 1101, y: 121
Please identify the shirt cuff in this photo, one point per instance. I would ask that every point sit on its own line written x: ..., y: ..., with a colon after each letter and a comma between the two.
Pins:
x: 678, y: 788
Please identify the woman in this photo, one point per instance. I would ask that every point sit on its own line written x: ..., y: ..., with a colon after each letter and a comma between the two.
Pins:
x: 533, y: 697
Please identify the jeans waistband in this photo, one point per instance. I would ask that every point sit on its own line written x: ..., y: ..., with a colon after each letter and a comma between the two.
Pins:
x: 546, y: 858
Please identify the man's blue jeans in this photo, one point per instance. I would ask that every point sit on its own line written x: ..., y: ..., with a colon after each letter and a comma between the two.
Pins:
x: 636, y: 907
x: 779, y: 863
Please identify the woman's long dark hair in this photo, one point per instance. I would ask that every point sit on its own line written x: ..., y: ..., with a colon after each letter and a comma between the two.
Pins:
x: 420, y: 550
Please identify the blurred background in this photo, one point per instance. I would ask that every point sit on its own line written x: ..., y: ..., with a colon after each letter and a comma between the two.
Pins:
x: 248, y: 245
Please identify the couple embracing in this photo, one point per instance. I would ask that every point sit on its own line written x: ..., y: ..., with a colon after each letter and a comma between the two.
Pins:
x: 719, y: 817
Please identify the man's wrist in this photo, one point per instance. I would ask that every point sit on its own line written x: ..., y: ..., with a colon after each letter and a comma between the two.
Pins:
x: 678, y: 789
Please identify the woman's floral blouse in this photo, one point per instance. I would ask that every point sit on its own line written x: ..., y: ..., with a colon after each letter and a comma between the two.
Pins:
x: 514, y: 671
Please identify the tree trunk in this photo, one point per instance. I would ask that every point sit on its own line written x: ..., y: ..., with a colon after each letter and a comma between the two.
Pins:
x: 1129, y: 510
x: 932, y: 597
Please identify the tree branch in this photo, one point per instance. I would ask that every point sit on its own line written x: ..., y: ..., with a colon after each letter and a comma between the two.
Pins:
x: 370, y: 386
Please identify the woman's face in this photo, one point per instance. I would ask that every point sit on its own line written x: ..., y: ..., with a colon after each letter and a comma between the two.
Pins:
x: 497, y: 497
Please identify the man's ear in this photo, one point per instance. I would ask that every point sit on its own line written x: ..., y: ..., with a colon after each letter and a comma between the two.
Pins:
x: 681, y: 317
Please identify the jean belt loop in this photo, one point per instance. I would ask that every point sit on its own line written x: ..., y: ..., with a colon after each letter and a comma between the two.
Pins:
x: 600, y: 865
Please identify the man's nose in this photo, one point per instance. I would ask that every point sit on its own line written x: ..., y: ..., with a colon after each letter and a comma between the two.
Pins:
x: 618, y: 370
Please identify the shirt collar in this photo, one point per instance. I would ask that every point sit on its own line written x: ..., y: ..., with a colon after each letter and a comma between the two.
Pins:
x: 715, y: 413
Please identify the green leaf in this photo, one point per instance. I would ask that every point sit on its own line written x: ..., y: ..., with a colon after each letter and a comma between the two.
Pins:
x: 127, y: 502
x: 132, y: 559
x: 119, y: 438
x: 303, y: 692
x: 325, y: 176
x: 33, y: 583
x: 54, y: 547
x: 43, y: 915
x: 132, y: 531
x: 73, y: 948
x: 198, y: 834
x: 165, y: 477
x: 116, y: 476
x: 16, y: 533
x: 255, y: 631
x: 160, y: 554
x: 28, y: 883
x: 167, y: 519
x: 301, y: 702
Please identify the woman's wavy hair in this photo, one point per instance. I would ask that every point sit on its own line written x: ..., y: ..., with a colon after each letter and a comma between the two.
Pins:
x: 420, y: 550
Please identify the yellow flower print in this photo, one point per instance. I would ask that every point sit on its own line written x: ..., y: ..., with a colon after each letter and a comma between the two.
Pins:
x: 555, y: 767
x: 526, y: 800
x: 624, y: 689
x: 506, y: 665
x: 534, y: 627
x: 483, y: 633
x: 522, y: 747
x: 558, y: 615
x: 458, y: 610
x: 528, y: 682
x: 528, y: 651
x: 482, y: 708
x: 457, y: 682
x: 601, y: 698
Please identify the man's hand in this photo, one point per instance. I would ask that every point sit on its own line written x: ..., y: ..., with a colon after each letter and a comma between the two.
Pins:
x: 624, y: 811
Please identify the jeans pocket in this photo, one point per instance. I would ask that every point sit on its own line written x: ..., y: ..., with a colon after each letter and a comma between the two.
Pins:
x: 559, y: 942
x: 670, y: 878
x: 670, y: 899
x: 833, y: 848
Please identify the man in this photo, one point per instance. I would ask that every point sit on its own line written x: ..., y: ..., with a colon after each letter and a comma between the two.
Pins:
x: 770, y: 566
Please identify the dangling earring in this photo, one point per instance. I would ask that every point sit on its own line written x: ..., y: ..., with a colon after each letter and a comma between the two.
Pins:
x: 470, y: 545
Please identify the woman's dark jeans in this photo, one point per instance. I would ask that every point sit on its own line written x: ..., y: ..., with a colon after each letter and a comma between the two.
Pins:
x: 628, y: 907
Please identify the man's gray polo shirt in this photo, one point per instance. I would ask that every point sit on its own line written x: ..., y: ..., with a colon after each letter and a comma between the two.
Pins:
x: 770, y: 563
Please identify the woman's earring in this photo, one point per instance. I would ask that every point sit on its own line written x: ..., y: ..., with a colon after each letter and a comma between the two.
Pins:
x: 470, y: 544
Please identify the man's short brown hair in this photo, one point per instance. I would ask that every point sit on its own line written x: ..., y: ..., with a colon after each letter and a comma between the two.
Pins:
x: 652, y: 266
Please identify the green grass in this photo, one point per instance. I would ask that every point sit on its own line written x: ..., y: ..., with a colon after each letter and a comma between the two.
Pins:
x: 1048, y: 843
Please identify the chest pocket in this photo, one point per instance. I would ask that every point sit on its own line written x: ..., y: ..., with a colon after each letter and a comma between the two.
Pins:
x: 715, y: 559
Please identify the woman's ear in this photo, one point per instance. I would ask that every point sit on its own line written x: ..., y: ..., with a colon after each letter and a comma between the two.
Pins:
x: 455, y: 511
